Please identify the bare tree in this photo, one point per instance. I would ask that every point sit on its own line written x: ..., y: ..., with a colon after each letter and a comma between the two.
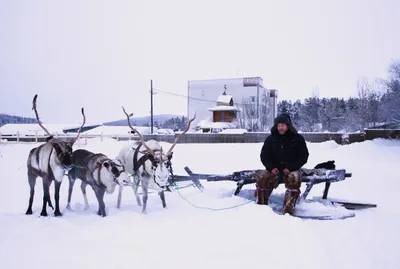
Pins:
x: 363, y: 92
x: 247, y: 117
x: 392, y: 96
x: 255, y: 118
x: 266, y: 115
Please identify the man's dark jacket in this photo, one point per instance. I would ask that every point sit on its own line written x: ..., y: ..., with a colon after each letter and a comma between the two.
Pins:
x: 284, y: 151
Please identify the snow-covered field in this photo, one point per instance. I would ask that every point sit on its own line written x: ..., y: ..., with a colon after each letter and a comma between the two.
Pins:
x: 249, y: 236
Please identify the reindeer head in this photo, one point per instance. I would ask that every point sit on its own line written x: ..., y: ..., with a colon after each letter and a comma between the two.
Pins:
x: 161, y: 165
x: 63, y: 148
x: 113, y: 173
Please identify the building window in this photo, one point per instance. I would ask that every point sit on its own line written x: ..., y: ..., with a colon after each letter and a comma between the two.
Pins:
x: 222, y: 115
x: 253, y: 99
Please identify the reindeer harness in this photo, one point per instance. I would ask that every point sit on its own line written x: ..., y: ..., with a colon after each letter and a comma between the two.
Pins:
x: 99, y: 166
x: 137, y: 163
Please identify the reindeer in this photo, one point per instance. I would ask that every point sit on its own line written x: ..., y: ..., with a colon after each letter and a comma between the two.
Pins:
x: 100, y: 172
x: 151, y: 165
x: 49, y: 161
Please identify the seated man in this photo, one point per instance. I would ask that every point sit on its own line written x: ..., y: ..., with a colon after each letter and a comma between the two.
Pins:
x: 284, y: 152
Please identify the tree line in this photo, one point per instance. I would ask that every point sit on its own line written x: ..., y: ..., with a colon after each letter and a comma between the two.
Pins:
x: 377, y: 104
x: 4, y: 119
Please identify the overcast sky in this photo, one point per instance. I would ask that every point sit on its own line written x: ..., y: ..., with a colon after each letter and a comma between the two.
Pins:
x: 102, y: 54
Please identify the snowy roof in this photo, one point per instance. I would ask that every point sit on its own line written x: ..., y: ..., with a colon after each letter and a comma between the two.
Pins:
x: 224, y: 99
x: 208, y: 124
x: 223, y: 108
x: 233, y: 131
x: 32, y: 128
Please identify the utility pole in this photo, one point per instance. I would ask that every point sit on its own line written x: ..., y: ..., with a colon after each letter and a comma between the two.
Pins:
x: 151, y: 105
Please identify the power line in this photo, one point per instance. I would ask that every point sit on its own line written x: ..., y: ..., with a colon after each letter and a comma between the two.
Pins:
x: 200, y: 99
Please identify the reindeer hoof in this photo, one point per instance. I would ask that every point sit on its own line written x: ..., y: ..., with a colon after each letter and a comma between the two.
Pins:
x: 28, y: 212
x: 86, y: 208
x: 144, y: 212
x: 57, y: 214
x: 43, y: 214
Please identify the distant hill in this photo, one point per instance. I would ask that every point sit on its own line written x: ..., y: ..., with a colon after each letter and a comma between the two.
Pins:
x: 161, y: 120
x: 143, y: 121
x: 5, y: 118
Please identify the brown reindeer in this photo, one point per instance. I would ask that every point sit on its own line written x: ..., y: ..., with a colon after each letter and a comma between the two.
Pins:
x: 49, y: 161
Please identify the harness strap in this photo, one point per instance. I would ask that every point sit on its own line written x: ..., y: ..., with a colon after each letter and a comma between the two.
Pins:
x: 138, y: 163
x: 50, y: 171
x: 98, y: 166
x: 98, y: 175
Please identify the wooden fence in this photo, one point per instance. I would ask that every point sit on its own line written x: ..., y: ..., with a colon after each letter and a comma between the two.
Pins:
x: 187, y: 138
x: 255, y: 137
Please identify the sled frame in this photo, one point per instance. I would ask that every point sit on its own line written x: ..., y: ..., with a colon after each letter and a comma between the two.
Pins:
x: 245, y: 177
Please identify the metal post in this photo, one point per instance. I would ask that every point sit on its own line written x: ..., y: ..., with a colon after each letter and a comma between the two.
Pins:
x: 151, y: 105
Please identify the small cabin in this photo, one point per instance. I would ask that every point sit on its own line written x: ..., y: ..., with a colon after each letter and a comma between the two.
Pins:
x: 224, y: 111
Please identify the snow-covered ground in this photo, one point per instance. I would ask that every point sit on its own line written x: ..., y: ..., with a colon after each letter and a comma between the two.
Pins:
x: 249, y: 236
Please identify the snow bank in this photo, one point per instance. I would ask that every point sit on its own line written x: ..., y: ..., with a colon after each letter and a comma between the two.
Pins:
x: 183, y: 236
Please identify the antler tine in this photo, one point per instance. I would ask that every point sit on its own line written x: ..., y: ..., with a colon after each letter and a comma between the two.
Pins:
x: 80, y: 128
x: 136, y: 131
x: 176, y: 139
x: 37, y: 115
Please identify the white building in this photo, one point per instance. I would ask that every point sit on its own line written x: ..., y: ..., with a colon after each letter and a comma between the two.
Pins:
x: 258, y: 106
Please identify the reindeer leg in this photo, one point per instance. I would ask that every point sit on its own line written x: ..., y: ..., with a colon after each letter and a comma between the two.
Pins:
x: 145, y: 189
x: 46, y: 195
x: 100, y: 199
x: 70, y: 189
x: 49, y: 201
x: 83, y: 188
x: 57, y: 186
x: 32, y: 182
x: 135, y: 186
x: 162, y: 196
x: 121, y: 188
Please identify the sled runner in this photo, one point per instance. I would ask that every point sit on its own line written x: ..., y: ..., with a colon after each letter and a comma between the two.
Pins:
x: 328, y: 208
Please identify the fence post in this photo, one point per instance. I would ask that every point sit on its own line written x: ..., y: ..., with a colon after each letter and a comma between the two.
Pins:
x: 85, y: 139
x: 36, y: 138
x: 18, y: 137
x: 101, y: 137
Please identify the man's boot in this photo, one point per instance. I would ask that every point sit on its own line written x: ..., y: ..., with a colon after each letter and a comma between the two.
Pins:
x: 292, y: 184
x: 265, y: 184
x: 291, y: 197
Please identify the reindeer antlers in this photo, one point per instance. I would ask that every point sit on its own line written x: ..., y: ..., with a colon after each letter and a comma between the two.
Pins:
x: 80, y: 128
x: 37, y: 115
x: 47, y: 132
x: 176, y: 139
x: 136, y: 131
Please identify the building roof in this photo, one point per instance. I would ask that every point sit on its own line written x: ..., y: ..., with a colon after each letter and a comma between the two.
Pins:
x: 224, y: 98
x: 208, y: 124
x: 224, y: 108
